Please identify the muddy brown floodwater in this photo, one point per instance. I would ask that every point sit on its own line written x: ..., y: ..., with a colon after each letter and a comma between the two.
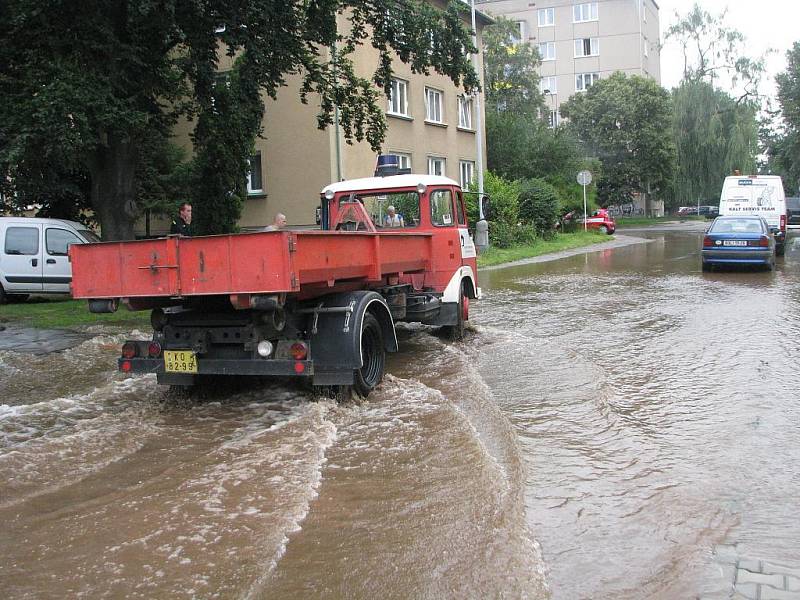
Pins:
x: 614, y: 419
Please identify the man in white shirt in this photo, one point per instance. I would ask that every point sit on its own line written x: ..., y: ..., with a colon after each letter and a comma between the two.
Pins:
x: 392, y: 218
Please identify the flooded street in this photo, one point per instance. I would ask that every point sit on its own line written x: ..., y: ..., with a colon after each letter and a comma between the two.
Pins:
x: 617, y: 425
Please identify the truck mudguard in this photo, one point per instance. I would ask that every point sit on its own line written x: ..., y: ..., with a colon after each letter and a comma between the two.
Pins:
x: 336, y: 325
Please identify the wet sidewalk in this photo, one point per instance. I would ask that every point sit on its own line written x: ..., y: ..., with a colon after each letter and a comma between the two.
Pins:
x: 753, y: 579
x: 38, y: 341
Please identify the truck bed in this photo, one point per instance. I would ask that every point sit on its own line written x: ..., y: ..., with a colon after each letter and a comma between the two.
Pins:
x: 302, y: 262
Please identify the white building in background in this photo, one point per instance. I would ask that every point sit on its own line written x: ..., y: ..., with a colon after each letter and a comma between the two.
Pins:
x: 581, y: 42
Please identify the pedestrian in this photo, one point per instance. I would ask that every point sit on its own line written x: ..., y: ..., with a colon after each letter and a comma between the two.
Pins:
x: 182, y: 224
x: 279, y: 222
x: 392, y: 218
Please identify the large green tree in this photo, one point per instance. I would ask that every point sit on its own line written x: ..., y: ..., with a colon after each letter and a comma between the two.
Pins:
x: 785, y: 150
x: 625, y: 122
x: 511, y: 71
x: 84, y: 85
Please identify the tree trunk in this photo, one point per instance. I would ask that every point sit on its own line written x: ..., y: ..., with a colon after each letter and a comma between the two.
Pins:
x: 113, y: 170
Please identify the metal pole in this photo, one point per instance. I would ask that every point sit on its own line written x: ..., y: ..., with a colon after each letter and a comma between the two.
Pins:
x: 478, y: 119
x: 585, y: 216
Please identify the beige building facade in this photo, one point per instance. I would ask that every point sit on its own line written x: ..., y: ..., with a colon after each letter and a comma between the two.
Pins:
x: 432, y: 127
x: 581, y: 42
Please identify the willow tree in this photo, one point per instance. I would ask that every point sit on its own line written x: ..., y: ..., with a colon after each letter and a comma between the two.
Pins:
x: 714, y: 135
x: 85, y: 84
x: 714, y: 124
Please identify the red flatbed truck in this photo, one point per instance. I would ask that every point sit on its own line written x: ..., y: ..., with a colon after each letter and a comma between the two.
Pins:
x: 320, y: 304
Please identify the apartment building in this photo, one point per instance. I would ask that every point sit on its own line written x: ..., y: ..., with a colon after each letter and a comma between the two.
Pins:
x: 431, y: 127
x: 581, y: 42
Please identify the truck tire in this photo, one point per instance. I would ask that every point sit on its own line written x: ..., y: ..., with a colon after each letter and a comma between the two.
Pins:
x: 3, y: 298
x: 780, y: 249
x: 456, y: 332
x: 603, y: 229
x: 373, y: 357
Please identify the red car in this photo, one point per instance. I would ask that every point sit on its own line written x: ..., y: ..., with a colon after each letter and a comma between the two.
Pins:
x: 602, y: 221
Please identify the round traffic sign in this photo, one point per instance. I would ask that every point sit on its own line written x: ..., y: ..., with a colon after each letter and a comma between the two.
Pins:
x: 585, y: 177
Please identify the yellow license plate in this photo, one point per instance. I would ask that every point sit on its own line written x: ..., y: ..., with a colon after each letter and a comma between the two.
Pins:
x: 180, y: 361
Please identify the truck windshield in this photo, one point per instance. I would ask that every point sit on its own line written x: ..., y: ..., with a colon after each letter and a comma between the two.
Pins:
x: 392, y: 209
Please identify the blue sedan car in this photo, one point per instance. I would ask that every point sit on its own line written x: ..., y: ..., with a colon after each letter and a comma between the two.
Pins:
x: 740, y: 240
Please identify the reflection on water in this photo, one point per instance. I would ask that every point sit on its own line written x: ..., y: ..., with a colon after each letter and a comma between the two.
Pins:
x: 656, y: 412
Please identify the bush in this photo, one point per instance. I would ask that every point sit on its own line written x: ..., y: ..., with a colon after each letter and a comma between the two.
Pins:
x: 501, y: 234
x: 538, y: 205
x: 525, y: 235
x: 503, y: 199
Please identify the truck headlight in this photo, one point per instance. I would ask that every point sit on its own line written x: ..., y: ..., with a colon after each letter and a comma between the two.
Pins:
x: 264, y: 348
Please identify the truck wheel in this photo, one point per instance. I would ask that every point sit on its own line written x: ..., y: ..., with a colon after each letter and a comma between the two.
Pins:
x: 373, y: 357
x: 603, y: 229
x: 3, y: 298
x: 780, y: 249
x: 456, y: 332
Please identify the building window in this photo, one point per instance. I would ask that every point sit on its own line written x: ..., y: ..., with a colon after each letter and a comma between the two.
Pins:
x: 547, y: 17
x: 436, y: 165
x: 547, y: 50
x: 255, y: 183
x: 434, y: 110
x: 398, y: 98
x: 465, y: 112
x: 587, y: 47
x: 584, y: 12
x: 403, y: 160
x: 547, y: 85
x: 519, y: 35
x: 553, y: 119
x: 584, y: 80
x: 466, y: 170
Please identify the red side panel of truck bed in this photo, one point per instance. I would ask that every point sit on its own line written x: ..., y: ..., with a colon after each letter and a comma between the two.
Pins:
x: 250, y: 263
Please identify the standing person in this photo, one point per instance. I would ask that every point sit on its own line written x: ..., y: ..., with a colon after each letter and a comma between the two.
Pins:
x: 279, y: 222
x: 182, y: 224
x: 392, y: 218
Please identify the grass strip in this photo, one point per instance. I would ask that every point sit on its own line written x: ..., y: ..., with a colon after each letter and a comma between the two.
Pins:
x: 64, y: 313
x: 562, y: 241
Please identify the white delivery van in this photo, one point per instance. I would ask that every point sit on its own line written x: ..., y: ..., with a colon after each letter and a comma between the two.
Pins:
x: 33, y: 255
x: 760, y: 195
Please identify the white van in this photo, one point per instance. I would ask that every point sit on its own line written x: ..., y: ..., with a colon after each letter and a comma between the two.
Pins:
x: 33, y: 255
x: 760, y: 195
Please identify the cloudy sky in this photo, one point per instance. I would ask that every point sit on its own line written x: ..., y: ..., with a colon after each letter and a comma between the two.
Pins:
x: 765, y: 23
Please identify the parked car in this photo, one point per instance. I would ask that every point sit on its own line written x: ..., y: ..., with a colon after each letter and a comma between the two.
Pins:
x: 33, y: 255
x: 602, y: 221
x: 709, y: 212
x: 739, y: 240
x: 793, y: 212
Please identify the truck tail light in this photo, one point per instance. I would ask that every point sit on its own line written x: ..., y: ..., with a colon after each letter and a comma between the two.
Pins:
x: 783, y: 222
x: 299, y: 351
x: 154, y: 349
x: 125, y: 366
x: 130, y: 350
x: 707, y: 242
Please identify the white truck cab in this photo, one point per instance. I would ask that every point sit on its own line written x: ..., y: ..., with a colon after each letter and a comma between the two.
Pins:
x: 760, y: 195
x: 33, y: 255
